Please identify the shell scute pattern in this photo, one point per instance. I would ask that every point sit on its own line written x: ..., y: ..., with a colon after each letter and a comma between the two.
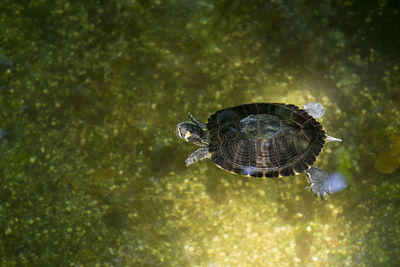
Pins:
x: 264, y: 140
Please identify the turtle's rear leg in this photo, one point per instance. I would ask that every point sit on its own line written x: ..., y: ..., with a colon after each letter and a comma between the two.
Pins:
x: 318, y: 180
x: 322, y: 184
x: 199, y: 154
x: 314, y: 109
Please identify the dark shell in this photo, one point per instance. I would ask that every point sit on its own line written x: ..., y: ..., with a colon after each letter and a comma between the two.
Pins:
x: 264, y: 139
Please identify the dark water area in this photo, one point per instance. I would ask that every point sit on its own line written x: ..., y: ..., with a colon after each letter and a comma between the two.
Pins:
x: 91, y: 170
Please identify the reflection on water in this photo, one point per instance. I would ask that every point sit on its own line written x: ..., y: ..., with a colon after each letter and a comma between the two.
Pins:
x: 92, y: 173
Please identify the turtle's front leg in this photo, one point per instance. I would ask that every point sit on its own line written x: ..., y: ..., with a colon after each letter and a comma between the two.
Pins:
x: 199, y: 154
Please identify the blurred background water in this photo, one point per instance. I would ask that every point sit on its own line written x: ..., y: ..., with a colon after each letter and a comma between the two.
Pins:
x: 92, y: 173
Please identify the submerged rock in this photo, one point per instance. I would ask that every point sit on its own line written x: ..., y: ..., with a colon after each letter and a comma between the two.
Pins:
x: 389, y: 159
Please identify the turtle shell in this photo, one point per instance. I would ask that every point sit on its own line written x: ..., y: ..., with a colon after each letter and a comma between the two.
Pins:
x: 264, y: 139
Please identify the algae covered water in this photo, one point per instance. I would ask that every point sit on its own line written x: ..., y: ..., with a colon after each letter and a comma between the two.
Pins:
x: 92, y: 173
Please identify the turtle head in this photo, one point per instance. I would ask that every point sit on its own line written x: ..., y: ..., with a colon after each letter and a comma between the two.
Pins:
x: 191, y: 132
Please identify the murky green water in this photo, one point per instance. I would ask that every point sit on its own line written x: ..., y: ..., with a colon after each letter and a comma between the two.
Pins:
x: 92, y: 173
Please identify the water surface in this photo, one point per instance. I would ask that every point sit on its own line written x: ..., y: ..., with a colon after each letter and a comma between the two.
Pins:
x: 92, y: 173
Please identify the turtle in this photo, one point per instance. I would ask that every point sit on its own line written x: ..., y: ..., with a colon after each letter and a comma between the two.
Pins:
x: 263, y: 140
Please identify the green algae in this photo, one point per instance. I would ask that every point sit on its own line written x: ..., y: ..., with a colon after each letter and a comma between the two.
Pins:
x: 93, y: 175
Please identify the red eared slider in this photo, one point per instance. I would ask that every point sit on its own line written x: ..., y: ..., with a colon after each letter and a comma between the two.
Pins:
x: 262, y: 140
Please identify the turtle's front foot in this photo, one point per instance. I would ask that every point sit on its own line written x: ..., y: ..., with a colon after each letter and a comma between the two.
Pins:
x: 190, y: 161
x: 199, y: 154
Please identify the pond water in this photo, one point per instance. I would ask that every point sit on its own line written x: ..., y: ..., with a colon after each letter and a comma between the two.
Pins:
x: 92, y: 173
